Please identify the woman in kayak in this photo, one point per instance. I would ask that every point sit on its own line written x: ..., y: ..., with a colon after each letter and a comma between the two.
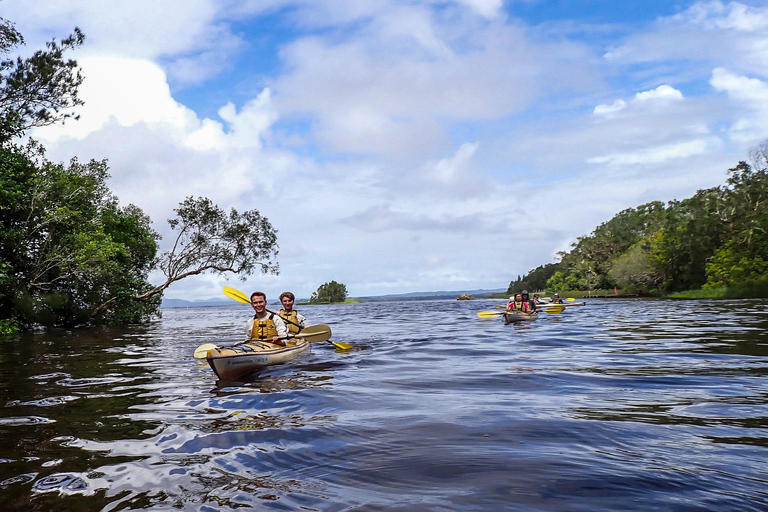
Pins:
x: 522, y: 303
x: 294, y: 320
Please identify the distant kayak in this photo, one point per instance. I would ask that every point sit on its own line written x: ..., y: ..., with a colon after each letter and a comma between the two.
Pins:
x: 233, y: 362
x: 517, y: 316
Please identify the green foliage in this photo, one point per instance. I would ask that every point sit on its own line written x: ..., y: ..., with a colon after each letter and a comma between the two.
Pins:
x: 329, y: 292
x: 39, y: 90
x: 559, y: 282
x: 70, y: 246
x: 535, y: 280
x: 209, y: 239
x: 635, y: 271
x: 716, y: 238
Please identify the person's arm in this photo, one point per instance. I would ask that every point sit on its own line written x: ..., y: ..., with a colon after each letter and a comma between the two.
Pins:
x: 282, y: 330
x: 248, y: 334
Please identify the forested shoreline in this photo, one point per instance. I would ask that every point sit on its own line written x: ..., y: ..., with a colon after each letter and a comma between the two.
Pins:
x: 713, y: 241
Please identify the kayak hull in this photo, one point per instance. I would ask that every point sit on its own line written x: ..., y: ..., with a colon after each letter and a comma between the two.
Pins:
x: 234, y: 362
x: 516, y: 316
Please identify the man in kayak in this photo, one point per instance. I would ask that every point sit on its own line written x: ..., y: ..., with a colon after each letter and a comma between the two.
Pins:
x: 265, y: 326
x: 557, y: 299
x: 294, y: 320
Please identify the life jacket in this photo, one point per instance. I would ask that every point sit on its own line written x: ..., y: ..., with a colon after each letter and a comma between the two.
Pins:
x: 558, y: 300
x: 263, y: 328
x: 290, y: 319
x: 521, y: 306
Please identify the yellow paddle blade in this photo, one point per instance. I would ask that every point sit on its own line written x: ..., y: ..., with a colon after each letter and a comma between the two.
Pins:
x: 570, y: 299
x: 201, y: 352
x: 553, y: 310
x: 322, y: 332
x: 237, y: 295
x: 487, y: 314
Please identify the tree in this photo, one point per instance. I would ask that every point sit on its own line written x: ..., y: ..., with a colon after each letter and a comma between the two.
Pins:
x: 39, y: 90
x: 210, y: 240
x: 330, y: 292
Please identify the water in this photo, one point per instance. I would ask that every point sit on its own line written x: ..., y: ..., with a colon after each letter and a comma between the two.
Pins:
x: 618, y: 405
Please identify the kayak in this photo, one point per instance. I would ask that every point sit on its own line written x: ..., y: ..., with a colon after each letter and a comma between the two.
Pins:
x: 233, y: 362
x: 517, y: 316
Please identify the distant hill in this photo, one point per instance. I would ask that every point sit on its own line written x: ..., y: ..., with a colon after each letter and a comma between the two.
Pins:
x: 478, y: 294
x: 180, y: 303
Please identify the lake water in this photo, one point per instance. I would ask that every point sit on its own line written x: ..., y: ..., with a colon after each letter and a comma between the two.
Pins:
x: 625, y: 405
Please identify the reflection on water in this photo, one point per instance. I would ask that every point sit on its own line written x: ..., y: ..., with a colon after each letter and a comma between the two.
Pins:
x: 654, y: 405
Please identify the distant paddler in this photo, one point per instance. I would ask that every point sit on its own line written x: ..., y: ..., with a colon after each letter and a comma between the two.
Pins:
x: 522, y: 304
x: 265, y: 326
x: 556, y: 299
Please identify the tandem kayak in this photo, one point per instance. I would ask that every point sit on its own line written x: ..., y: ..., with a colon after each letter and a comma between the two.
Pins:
x: 233, y: 362
x: 517, y: 316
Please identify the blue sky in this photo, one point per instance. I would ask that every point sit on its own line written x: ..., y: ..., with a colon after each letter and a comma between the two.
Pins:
x: 409, y: 145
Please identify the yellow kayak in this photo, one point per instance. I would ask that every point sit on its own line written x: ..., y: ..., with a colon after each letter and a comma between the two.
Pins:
x: 518, y: 316
x: 233, y: 362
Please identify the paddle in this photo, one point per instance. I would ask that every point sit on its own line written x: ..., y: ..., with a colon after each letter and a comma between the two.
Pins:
x: 304, y: 333
x: 552, y: 310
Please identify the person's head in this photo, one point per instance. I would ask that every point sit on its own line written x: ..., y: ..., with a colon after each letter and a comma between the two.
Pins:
x: 518, y: 297
x: 557, y: 295
x: 287, y: 299
x: 259, y: 301
x: 525, y: 293
x: 535, y: 295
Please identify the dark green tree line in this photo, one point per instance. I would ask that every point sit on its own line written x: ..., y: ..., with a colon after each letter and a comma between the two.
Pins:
x: 718, y: 237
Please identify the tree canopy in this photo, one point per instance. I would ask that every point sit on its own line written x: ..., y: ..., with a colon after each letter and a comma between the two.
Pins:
x: 329, y: 292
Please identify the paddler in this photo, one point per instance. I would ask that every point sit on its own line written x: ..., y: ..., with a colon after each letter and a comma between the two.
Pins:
x: 522, y: 303
x: 557, y: 299
x: 294, y: 321
x: 265, y: 326
x: 527, y: 300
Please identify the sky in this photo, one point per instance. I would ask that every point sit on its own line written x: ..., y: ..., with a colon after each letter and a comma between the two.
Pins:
x: 408, y: 145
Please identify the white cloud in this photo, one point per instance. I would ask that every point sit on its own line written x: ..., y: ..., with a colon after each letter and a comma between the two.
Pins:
x: 400, y: 145
x: 653, y: 155
x: 751, y: 94
x: 605, y: 110
x: 129, y: 91
x: 448, y: 169
x: 662, y: 92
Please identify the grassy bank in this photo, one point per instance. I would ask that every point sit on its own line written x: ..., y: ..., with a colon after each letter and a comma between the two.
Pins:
x: 757, y: 290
